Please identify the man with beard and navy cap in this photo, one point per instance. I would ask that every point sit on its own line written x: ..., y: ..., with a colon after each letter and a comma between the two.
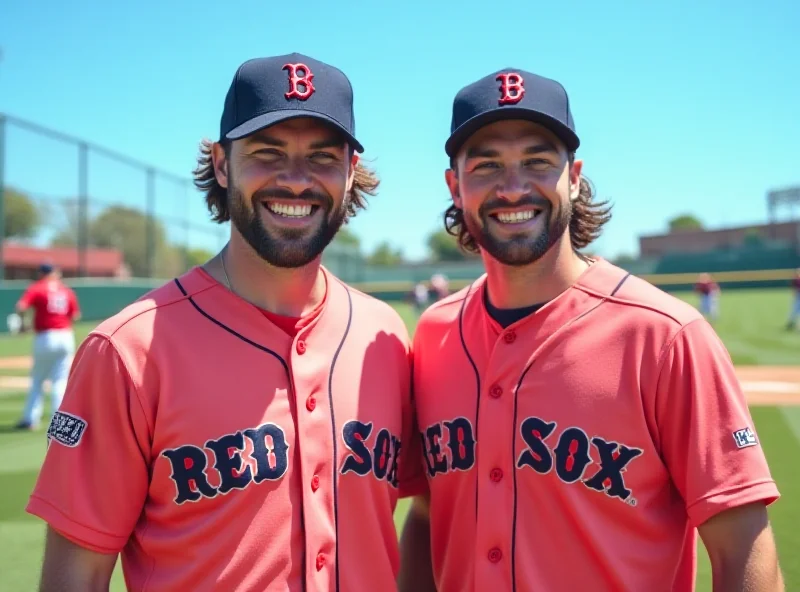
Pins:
x: 580, y: 426
x: 242, y: 426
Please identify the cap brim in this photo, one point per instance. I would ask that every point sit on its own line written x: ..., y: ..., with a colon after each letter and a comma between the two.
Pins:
x: 267, y: 119
x: 469, y: 127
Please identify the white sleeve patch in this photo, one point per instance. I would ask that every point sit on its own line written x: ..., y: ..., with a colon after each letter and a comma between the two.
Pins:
x: 66, y: 429
x: 744, y: 438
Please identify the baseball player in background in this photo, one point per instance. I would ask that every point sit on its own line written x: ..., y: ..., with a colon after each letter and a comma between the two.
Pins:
x: 579, y: 426
x: 55, y: 309
x: 794, y: 314
x: 419, y: 297
x: 241, y: 427
x: 440, y: 286
x: 709, y: 292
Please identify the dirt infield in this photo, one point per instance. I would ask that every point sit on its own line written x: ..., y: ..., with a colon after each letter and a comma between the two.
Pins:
x: 763, y: 385
x: 770, y: 385
x: 15, y: 363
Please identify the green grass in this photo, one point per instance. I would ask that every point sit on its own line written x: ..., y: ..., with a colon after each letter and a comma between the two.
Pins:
x: 751, y: 326
x: 21, y: 345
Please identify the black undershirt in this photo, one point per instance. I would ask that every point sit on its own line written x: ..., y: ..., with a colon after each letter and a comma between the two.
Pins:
x: 506, y: 317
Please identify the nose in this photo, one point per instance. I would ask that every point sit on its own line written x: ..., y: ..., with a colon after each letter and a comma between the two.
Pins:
x: 513, y: 187
x: 297, y: 177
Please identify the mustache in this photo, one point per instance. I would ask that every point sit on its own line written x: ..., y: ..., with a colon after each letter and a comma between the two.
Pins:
x: 529, y: 200
x: 310, y: 195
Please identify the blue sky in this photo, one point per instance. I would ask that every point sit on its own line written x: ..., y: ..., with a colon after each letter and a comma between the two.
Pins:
x: 681, y: 106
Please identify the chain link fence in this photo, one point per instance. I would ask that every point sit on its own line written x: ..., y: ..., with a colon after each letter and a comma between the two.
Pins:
x: 95, y: 212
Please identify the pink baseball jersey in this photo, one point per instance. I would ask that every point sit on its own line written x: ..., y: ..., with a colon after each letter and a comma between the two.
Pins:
x: 216, y: 451
x: 577, y: 448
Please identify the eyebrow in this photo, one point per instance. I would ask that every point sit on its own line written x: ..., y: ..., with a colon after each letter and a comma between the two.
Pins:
x: 482, y: 152
x: 331, y: 142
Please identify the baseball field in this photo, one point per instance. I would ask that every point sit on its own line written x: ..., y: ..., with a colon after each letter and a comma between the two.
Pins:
x: 751, y: 325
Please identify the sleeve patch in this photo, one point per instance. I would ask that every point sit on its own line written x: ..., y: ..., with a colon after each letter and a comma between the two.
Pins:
x: 744, y: 438
x: 66, y: 429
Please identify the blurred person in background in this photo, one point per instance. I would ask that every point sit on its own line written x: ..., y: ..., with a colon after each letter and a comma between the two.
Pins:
x: 794, y: 315
x: 419, y: 297
x: 55, y: 309
x: 440, y: 286
x: 709, y: 292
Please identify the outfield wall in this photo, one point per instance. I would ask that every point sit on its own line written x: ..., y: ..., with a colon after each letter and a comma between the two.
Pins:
x: 98, y: 299
x: 102, y: 299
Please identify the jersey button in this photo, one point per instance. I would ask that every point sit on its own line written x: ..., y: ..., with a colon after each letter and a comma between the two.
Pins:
x: 495, y: 555
x: 496, y: 391
x: 510, y: 337
x: 496, y: 475
x: 311, y: 403
x: 301, y: 347
x: 320, y: 561
x: 314, y: 482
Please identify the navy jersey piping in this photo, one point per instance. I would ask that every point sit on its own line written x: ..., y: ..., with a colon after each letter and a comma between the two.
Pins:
x: 333, y: 427
x: 232, y: 331
x: 286, y: 369
x: 477, y: 382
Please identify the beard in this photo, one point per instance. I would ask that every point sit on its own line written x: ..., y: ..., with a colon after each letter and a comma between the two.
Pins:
x: 285, y: 247
x: 521, y: 249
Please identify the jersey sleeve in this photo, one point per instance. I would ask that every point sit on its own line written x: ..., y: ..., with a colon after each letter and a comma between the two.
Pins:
x: 94, y: 479
x: 707, y: 436
x: 27, y: 297
x: 411, y: 475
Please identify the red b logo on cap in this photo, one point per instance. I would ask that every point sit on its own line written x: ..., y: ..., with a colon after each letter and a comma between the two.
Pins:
x: 296, y: 81
x: 511, y: 88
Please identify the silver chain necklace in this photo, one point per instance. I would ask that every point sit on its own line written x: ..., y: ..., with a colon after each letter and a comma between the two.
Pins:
x: 224, y: 270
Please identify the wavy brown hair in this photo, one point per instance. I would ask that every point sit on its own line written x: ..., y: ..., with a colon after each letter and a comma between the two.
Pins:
x: 365, y: 182
x: 585, y: 225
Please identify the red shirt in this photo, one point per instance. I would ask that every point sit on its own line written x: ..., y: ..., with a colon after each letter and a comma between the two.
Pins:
x: 706, y: 287
x: 796, y: 284
x: 53, y: 303
x: 292, y: 325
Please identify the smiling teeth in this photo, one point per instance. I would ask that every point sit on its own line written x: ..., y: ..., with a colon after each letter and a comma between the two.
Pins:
x: 513, y: 217
x: 290, y: 211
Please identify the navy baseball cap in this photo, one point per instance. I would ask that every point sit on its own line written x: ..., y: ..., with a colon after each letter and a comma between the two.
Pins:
x: 511, y: 94
x: 266, y: 91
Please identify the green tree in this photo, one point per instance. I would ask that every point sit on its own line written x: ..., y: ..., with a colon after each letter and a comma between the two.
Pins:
x: 126, y: 229
x: 624, y: 259
x: 347, y: 237
x: 21, y: 216
x: 385, y: 255
x: 444, y: 247
x: 685, y: 222
x: 753, y: 237
x: 196, y: 256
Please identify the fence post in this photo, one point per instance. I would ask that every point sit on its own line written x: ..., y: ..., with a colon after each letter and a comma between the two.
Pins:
x: 2, y: 196
x: 150, y: 247
x: 83, y: 208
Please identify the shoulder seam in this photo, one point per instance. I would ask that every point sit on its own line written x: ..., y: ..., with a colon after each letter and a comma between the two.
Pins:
x: 182, y: 298
x: 665, y: 349
x: 625, y: 302
x: 130, y: 380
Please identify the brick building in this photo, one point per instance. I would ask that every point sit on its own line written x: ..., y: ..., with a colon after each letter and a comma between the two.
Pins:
x: 699, y: 241
x: 22, y: 261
